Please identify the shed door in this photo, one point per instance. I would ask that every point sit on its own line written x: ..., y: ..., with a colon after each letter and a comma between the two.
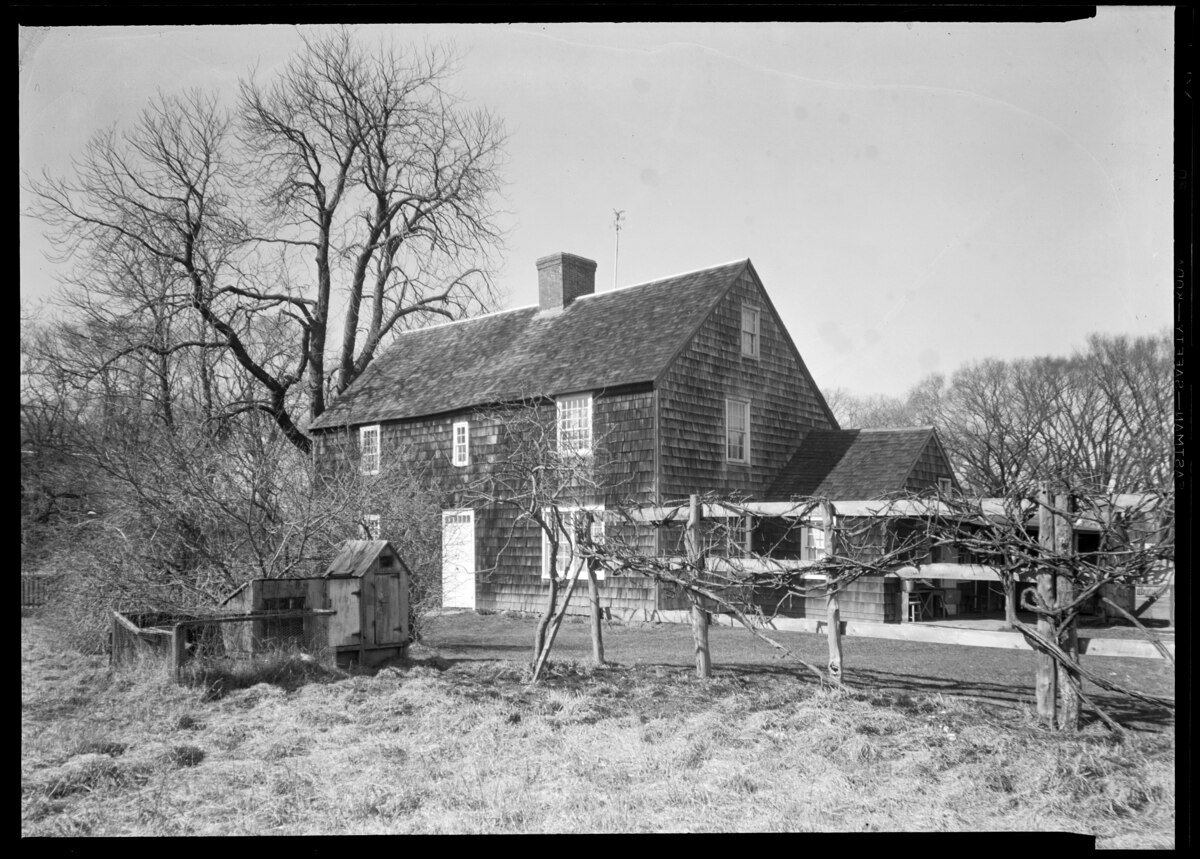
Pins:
x: 458, y: 558
x: 390, y: 620
x: 344, y: 628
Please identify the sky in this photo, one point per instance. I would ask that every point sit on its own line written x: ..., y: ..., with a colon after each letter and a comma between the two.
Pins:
x: 914, y: 196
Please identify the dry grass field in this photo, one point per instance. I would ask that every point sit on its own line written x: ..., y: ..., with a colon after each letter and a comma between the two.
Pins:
x: 933, y: 739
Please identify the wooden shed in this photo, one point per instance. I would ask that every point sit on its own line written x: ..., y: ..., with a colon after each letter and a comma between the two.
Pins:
x: 366, y: 585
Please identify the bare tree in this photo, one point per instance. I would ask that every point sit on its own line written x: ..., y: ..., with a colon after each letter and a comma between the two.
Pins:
x: 1028, y: 537
x: 1098, y: 420
x: 546, y: 484
x: 858, y: 412
x: 352, y: 186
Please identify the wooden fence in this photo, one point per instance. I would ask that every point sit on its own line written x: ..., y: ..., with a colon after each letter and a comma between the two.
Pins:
x: 35, y: 590
x: 170, y: 641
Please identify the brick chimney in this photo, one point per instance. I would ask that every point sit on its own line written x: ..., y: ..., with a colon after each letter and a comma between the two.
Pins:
x: 562, y: 278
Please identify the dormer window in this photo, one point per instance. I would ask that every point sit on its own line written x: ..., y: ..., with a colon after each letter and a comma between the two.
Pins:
x: 575, y: 424
x: 368, y: 449
x: 461, y: 435
x: 750, y: 331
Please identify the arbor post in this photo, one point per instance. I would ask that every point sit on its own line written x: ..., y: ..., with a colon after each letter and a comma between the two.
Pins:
x: 1010, y: 603
x: 699, y: 616
x: 832, y: 607
x: 1046, y: 674
x: 178, y: 649
x: 1069, y: 703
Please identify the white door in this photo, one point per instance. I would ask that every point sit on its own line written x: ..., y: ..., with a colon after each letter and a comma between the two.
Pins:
x: 458, y: 558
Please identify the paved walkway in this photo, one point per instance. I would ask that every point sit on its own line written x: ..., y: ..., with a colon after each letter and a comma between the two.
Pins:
x: 975, y: 632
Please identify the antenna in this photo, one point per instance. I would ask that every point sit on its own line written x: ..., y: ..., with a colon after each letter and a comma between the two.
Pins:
x: 618, y: 216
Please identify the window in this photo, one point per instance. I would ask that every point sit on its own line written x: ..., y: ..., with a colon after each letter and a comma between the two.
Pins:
x: 575, y: 424
x: 816, y: 543
x: 385, y: 561
x: 750, y: 331
x: 739, y: 531
x: 368, y: 448
x: 737, y: 431
x: 945, y: 484
x: 462, y: 449
x: 370, y: 526
x: 570, y: 520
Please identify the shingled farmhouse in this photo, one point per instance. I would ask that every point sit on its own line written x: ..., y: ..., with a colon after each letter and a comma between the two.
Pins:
x: 690, y: 383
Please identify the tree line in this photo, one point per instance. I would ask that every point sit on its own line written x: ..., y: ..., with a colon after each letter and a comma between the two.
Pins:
x: 1099, y: 420
x: 230, y: 267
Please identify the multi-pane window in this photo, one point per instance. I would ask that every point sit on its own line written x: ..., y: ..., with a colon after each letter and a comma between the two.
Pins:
x: 575, y: 424
x: 737, y: 431
x: 739, y: 531
x: 750, y: 331
x: 816, y: 542
x: 570, y: 520
x: 368, y: 449
x: 462, y: 450
x: 370, y: 526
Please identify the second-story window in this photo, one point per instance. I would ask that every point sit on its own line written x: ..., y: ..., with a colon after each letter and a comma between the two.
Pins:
x: 368, y: 449
x: 737, y: 431
x: 749, y: 331
x: 369, y: 527
x: 462, y: 443
x: 575, y: 424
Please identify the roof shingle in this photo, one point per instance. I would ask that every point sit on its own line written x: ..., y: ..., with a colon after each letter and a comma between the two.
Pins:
x: 624, y: 336
x: 355, y: 557
x: 851, y: 464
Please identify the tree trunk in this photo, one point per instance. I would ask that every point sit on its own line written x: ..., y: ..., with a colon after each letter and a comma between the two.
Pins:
x: 1010, y: 603
x: 699, y: 615
x: 597, y: 630
x: 539, y: 635
x: 555, y: 623
x: 1046, y: 673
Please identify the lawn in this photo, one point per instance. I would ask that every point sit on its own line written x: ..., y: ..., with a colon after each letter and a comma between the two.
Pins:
x: 454, y: 741
x: 1000, y: 677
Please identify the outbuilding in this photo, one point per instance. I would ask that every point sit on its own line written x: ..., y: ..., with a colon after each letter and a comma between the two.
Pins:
x: 366, y: 585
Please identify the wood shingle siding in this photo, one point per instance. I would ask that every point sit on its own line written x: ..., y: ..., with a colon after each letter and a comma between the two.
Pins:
x: 665, y: 364
x: 711, y: 369
x: 931, y: 466
x: 872, y: 599
x: 508, y: 556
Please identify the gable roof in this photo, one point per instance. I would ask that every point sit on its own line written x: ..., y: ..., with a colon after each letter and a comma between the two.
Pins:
x: 355, y: 557
x: 620, y: 337
x: 855, y: 463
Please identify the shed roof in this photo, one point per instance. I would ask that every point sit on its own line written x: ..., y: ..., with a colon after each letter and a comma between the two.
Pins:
x: 855, y: 463
x: 607, y: 339
x: 355, y: 557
